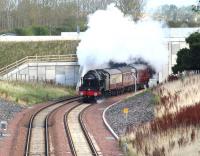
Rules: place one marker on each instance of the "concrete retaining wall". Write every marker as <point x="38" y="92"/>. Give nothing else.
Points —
<point x="65" y="73"/>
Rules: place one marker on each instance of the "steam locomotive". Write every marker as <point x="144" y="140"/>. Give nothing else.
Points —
<point x="113" y="81"/>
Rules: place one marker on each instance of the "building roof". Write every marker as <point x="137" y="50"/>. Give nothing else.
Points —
<point x="180" y="32"/>
<point x="169" y="33"/>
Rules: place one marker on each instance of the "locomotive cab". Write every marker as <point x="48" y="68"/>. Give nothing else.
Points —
<point x="91" y="85"/>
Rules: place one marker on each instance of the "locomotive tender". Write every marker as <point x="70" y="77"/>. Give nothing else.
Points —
<point x="113" y="81"/>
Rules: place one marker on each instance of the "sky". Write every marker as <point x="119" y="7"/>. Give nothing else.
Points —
<point x="156" y="3"/>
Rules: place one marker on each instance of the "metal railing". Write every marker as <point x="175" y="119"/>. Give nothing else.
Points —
<point x="38" y="59"/>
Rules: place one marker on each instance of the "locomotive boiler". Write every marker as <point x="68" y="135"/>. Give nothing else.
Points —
<point x="113" y="81"/>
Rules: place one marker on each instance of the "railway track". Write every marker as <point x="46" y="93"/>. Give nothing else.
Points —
<point x="79" y="138"/>
<point x="37" y="142"/>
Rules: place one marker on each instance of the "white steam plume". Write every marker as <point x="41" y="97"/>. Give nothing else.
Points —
<point x="113" y="36"/>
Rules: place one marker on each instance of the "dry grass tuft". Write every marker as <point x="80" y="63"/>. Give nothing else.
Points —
<point x="175" y="129"/>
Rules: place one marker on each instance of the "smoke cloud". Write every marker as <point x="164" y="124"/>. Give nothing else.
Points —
<point x="113" y="36"/>
<point x="132" y="61"/>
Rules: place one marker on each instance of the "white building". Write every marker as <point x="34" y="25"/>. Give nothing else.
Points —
<point x="175" y="41"/>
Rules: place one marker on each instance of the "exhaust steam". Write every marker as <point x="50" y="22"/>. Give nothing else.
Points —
<point x="113" y="36"/>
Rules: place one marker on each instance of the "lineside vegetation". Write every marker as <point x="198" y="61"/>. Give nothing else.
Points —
<point x="32" y="93"/>
<point x="175" y="129"/>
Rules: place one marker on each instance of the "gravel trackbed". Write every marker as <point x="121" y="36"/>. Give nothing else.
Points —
<point x="140" y="110"/>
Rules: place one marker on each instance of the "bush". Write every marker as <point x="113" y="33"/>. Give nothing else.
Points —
<point x="40" y="30"/>
<point x="32" y="31"/>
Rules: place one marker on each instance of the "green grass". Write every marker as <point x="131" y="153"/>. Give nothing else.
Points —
<point x="32" y="93"/>
<point x="13" y="51"/>
<point x="126" y="147"/>
<point x="155" y="99"/>
<point x="131" y="98"/>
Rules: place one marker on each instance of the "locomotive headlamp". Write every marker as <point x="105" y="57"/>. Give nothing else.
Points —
<point x="81" y="93"/>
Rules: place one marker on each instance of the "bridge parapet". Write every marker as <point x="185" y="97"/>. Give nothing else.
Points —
<point x="61" y="69"/>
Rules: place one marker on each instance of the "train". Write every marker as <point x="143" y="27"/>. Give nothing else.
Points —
<point x="114" y="81"/>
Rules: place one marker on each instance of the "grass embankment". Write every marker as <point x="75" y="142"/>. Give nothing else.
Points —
<point x="176" y="127"/>
<point x="32" y="93"/>
<point x="13" y="51"/>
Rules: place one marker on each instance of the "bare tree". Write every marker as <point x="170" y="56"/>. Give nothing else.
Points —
<point x="177" y="16"/>
<point x="132" y="7"/>
<point x="56" y="13"/>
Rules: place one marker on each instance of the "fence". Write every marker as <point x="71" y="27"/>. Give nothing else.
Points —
<point x="38" y="59"/>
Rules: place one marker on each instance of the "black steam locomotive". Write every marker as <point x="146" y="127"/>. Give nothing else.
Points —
<point x="113" y="81"/>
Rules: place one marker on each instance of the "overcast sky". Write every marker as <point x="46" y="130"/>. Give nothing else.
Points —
<point x="156" y="3"/>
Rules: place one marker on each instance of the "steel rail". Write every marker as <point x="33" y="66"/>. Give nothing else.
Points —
<point x="85" y="132"/>
<point x="47" y="148"/>
<point x="29" y="133"/>
<point x="92" y="147"/>
<point x="68" y="134"/>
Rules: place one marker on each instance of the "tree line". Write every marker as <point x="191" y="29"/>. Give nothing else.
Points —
<point x="189" y="58"/>
<point x="178" y="16"/>
<point x="54" y="16"/>
<point x="50" y="17"/>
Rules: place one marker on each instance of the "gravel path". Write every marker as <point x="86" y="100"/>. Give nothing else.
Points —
<point x="141" y="110"/>
<point x="8" y="110"/>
